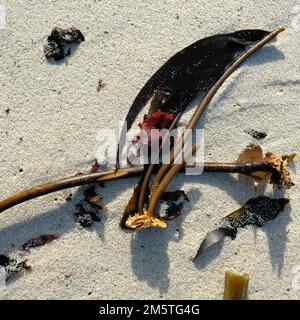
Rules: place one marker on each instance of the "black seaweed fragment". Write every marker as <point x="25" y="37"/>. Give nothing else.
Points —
<point x="65" y="36"/>
<point x="175" y="204"/>
<point x="55" y="51"/>
<point x="256" y="211"/>
<point x="4" y="260"/>
<point x="85" y="218"/>
<point x="57" y="41"/>
<point x="12" y="266"/>
<point x="258" y="135"/>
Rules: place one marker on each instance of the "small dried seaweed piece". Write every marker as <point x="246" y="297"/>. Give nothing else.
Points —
<point x="38" y="241"/>
<point x="92" y="198"/>
<point x="12" y="266"/>
<point x="175" y="204"/>
<point x="258" y="135"/>
<point x="101" y="85"/>
<point x="236" y="286"/>
<point x="85" y="218"/>
<point x="55" y="49"/>
<point x="65" y="36"/>
<point x="15" y="267"/>
<point x="256" y="211"/>
<point x="4" y="260"/>
<point x="95" y="166"/>
<point x="144" y="221"/>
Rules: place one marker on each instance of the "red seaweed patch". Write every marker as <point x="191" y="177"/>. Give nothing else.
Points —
<point x="39" y="241"/>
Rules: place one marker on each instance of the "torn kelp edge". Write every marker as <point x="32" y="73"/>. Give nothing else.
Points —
<point x="256" y="211"/>
<point x="39" y="241"/>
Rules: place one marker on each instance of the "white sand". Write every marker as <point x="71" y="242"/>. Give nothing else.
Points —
<point x="56" y="110"/>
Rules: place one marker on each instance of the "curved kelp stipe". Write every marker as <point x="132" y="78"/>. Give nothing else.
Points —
<point x="191" y="71"/>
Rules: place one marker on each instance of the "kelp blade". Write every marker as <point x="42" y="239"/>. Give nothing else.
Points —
<point x="191" y="71"/>
<point x="256" y="211"/>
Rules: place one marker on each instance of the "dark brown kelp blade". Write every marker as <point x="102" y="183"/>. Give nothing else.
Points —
<point x="191" y="71"/>
<point x="256" y="211"/>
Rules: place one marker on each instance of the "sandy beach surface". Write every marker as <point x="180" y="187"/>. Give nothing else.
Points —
<point x="50" y="114"/>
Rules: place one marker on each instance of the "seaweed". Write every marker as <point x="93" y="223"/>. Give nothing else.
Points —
<point x="12" y="266"/>
<point x="92" y="198"/>
<point x="95" y="166"/>
<point x="4" y="260"/>
<point x="38" y="241"/>
<point x="65" y="36"/>
<point x="236" y="286"/>
<point x="256" y="211"/>
<point x="191" y="71"/>
<point x="250" y="41"/>
<point x="86" y="212"/>
<point x="55" y="51"/>
<point x="175" y="204"/>
<point x="59" y="38"/>
<point x="258" y="135"/>
<point x="85" y="218"/>
<point x="158" y="120"/>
